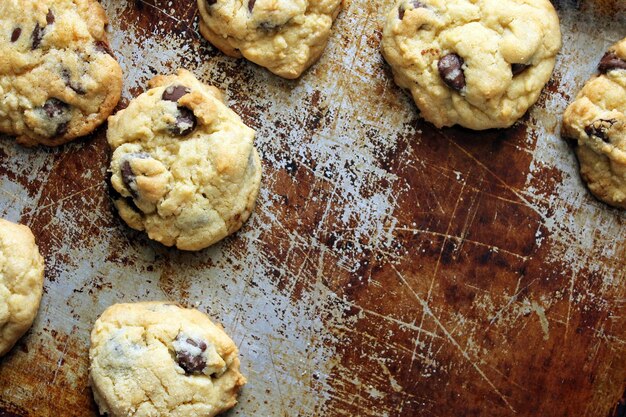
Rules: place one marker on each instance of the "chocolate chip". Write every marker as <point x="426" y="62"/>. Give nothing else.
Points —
<point x="128" y="176"/>
<point x="62" y="128"/>
<point x="54" y="108"/>
<point x="402" y="9"/>
<point x="16" y="34"/>
<point x="211" y="2"/>
<point x="67" y="77"/>
<point x="37" y="36"/>
<point x="50" y="17"/>
<point x="451" y="71"/>
<point x="518" y="68"/>
<point x="611" y="61"/>
<point x="600" y="129"/>
<point x="185" y="123"/>
<point x="175" y="92"/>
<point x="104" y="48"/>
<point x="251" y="5"/>
<point x="189" y="362"/>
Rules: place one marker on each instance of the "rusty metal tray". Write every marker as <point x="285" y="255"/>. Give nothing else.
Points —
<point x="390" y="269"/>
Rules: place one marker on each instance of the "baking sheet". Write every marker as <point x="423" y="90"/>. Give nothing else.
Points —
<point x="390" y="268"/>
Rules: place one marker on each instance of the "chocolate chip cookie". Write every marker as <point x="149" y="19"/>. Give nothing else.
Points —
<point x="597" y="121"/>
<point x="184" y="163"/>
<point x="21" y="282"/>
<point x="480" y="64"/>
<point x="58" y="77"/>
<point x="285" y="36"/>
<point x="156" y="359"/>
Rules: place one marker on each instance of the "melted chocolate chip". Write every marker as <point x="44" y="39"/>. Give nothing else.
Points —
<point x="600" y="129"/>
<point x="16" y="34"/>
<point x="611" y="61"/>
<point x="37" y="36"/>
<point x="62" y="128"/>
<point x="128" y="176"/>
<point x="518" y="68"/>
<point x="104" y="48"/>
<point x="67" y="77"/>
<point x="55" y="108"/>
<point x="185" y="123"/>
<point x="50" y="17"/>
<point x="402" y="9"/>
<point x="251" y="5"/>
<point x="175" y="92"/>
<point x="189" y="362"/>
<point x="211" y="2"/>
<point x="451" y="71"/>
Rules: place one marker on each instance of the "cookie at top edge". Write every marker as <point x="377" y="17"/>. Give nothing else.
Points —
<point x="284" y="36"/>
<point x="479" y="64"/>
<point x="59" y="79"/>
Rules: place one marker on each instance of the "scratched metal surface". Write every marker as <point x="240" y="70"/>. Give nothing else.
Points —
<point x="390" y="269"/>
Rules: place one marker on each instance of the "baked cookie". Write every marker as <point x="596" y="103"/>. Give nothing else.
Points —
<point x="285" y="36"/>
<point x="161" y="360"/>
<point x="477" y="63"/>
<point x="21" y="282"/>
<point x="184" y="163"/>
<point x="597" y="121"/>
<point x="58" y="77"/>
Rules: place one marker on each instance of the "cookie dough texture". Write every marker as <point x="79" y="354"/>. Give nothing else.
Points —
<point x="156" y="359"/>
<point x="597" y="121"/>
<point x="477" y="63"/>
<point x="21" y="282"/>
<point x="58" y="78"/>
<point x="285" y="36"/>
<point x="184" y="163"/>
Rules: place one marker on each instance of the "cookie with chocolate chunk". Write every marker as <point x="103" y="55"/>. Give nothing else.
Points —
<point x="156" y="359"/>
<point x="285" y="36"/>
<point x="480" y="64"/>
<point x="21" y="282"/>
<point x="597" y="121"/>
<point x="58" y="77"/>
<point x="183" y="163"/>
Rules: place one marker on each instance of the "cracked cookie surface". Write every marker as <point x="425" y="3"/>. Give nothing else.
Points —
<point x="184" y="164"/>
<point x="480" y="64"/>
<point x="154" y="359"/>
<point x="58" y="78"/>
<point x="285" y="36"/>
<point x="21" y="282"/>
<point x="597" y="121"/>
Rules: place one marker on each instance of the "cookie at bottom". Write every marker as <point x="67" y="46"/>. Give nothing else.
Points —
<point x="596" y="120"/>
<point x="21" y="282"/>
<point x="157" y="359"/>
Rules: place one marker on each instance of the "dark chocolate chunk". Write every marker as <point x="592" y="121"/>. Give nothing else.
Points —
<point x="67" y="77"/>
<point x="128" y="176"/>
<point x="402" y="9"/>
<point x="62" y="128"/>
<point x="518" y="68"/>
<point x="185" y="123"/>
<point x="37" y="36"/>
<point x="55" y="108"/>
<point x="611" y="61"/>
<point x="189" y="362"/>
<point x="600" y="129"/>
<point x="175" y="92"/>
<point x="251" y="5"/>
<point x="50" y="17"/>
<point x="16" y="34"/>
<point x="451" y="71"/>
